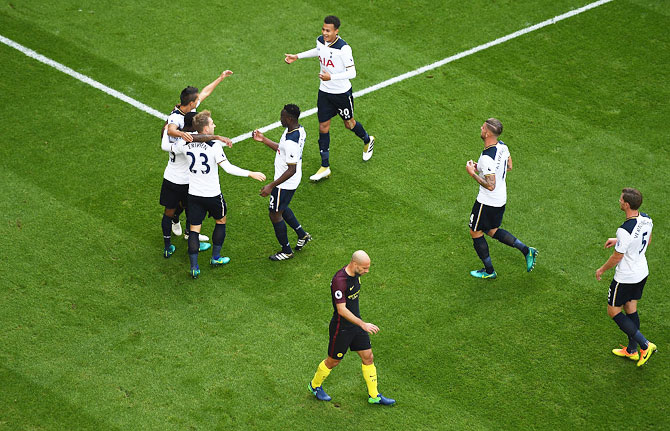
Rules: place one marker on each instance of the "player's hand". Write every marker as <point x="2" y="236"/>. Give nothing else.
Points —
<point x="324" y="76"/>
<point x="186" y="136"/>
<point x="599" y="273"/>
<point x="257" y="176"/>
<point x="290" y="58"/>
<point x="257" y="135"/>
<point x="227" y="141"/>
<point x="610" y="242"/>
<point x="470" y="167"/>
<point x="265" y="191"/>
<point x="370" y="328"/>
<point x="226" y="73"/>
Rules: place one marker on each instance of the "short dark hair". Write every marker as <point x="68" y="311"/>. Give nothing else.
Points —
<point x="201" y="120"/>
<point x="633" y="197"/>
<point x="495" y="126"/>
<point x="332" y="19"/>
<point x="188" y="95"/>
<point x="188" y="122"/>
<point x="292" y="110"/>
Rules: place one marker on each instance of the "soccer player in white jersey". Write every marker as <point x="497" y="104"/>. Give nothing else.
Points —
<point x="189" y="99"/>
<point x="487" y="212"/>
<point x="204" y="190"/>
<point x="629" y="257"/>
<point x="335" y="93"/>
<point x="288" y="173"/>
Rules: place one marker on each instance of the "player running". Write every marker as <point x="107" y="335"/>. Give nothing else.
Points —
<point x="204" y="190"/>
<point x="487" y="212"/>
<point x="288" y="172"/>
<point x="335" y="93"/>
<point x="629" y="257"/>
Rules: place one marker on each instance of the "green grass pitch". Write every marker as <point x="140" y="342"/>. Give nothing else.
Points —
<point x="99" y="332"/>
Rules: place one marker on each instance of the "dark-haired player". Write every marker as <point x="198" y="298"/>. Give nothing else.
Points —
<point x="487" y="212"/>
<point x="335" y="93"/>
<point x="189" y="99"/>
<point x="288" y="172"/>
<point x="349" y="331"/>
<point x="629" y="257"/>
<point x="204" y="189"/>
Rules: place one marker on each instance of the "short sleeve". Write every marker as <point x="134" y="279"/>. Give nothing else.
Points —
<point x="292" y="153"/>
<point x="176" y="119"/>
<point x="486" y="165"/>
<point x="622" y="240"/>
<point x="338" y="289"/>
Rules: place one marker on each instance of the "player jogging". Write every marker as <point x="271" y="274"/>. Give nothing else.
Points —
<point x="349" y="331"/>
<point x="487" y="212"/>
<point x="204" y="190"/>
<point x="335" y="93"/>
<point x="189" y="99"/>
<point x="288" y="172"/>
<point x="629" y="257"/>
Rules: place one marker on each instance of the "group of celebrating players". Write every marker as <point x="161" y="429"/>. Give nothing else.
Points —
<point x="191" y="183"/>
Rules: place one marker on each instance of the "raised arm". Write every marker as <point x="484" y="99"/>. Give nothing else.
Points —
<point x="208" y="90"/>
<point x="258" y="136"/>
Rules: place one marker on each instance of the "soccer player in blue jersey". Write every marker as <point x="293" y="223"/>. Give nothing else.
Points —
<point x="487" y="212"/>
<point x="348" y="331"/>
<point x="335" y="93"/>
<point x="288" y="173"/>
<point x="629" y="257"/>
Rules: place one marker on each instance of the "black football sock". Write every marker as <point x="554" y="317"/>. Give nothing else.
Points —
<point x="282" y="236"/>
<point x="361" y="133"/>
<point x="482" y="249"/>
<point x="508" y="239"/>
<point x="324" y="148"/>
<point x="632" y="344"/>
<point x="166" y="225"/>
<point x="627" y="326"/>
<point x="290" y="219"/>
<point x="218" y="236"/>
<point x="193" y="248"/>
<point x="177" y="213"/>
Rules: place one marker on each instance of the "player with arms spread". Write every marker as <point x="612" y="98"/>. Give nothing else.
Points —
<point x="629" y="257"/>
<point x="288" y="173"/>
<point x="204" y="190"/>
<point x="335" y="93"/>
<point x="487" y="212"/>
<point x="349" y="331"/>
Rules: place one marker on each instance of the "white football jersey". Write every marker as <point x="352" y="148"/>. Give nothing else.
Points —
<point x="493" y="160"/>
<point x="177" y="117"/>
<point x="335" y="58"/>
<point x="176" y="170"/>
<point x="632" y="238"/>
<point x="290" y="149"/>
<point x="203" y="170"/>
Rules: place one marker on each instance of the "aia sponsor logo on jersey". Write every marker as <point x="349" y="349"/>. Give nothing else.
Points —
<point x="326" y="62"/>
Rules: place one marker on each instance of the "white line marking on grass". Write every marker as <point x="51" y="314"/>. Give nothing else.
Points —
<point x="83" y="78"/>
<point x="155" y="113"/>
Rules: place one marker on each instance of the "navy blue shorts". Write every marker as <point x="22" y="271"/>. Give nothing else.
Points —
<point x="329" y="105"/>
<point x="620" y="293"/>
<point x="485" y="218"/>
<point x="173" y="194"/>
<point x="279" y="199"/>
<point x="199" y="207"/>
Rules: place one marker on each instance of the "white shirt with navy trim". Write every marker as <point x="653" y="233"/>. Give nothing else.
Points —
<point x="203" y="170"/>
<point x="335" y="58"/>
<point x="493" y="161"/>
<point x="290" y="149"/>
<point x="632" y="238"/>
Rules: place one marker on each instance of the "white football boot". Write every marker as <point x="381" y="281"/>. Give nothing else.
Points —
<point x="368" y="148"/>
<point x="320" y="174"/>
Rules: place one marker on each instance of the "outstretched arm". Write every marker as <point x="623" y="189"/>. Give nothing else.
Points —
<point x="290" y="58"/>
<point x="239" y="172"/>
<point x="258" y="136"/>
<point x="208" y="90"/>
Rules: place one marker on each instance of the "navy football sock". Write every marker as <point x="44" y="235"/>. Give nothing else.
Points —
<point x="632" y="344"/>
<point x="361" y="133"/>
<point x="508" y="239"/>
<point x="482" y="249"/>
<point x="193" y="248"/>
<point x="324" y="148"/>
<point x="290" y="219"/>
<point x="627" y="326"/>
<point x="218" y="236"/>
<point x="177" y="213"/>
<point x="166" y="225"/>
<point x="282" y="236"/>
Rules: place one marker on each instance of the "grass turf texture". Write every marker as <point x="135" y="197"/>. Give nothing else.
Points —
<point x="100" y="332"/>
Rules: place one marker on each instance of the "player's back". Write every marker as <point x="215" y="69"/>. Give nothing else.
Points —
<point x="632" y="240"/>
<point x="203" y="158"/>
